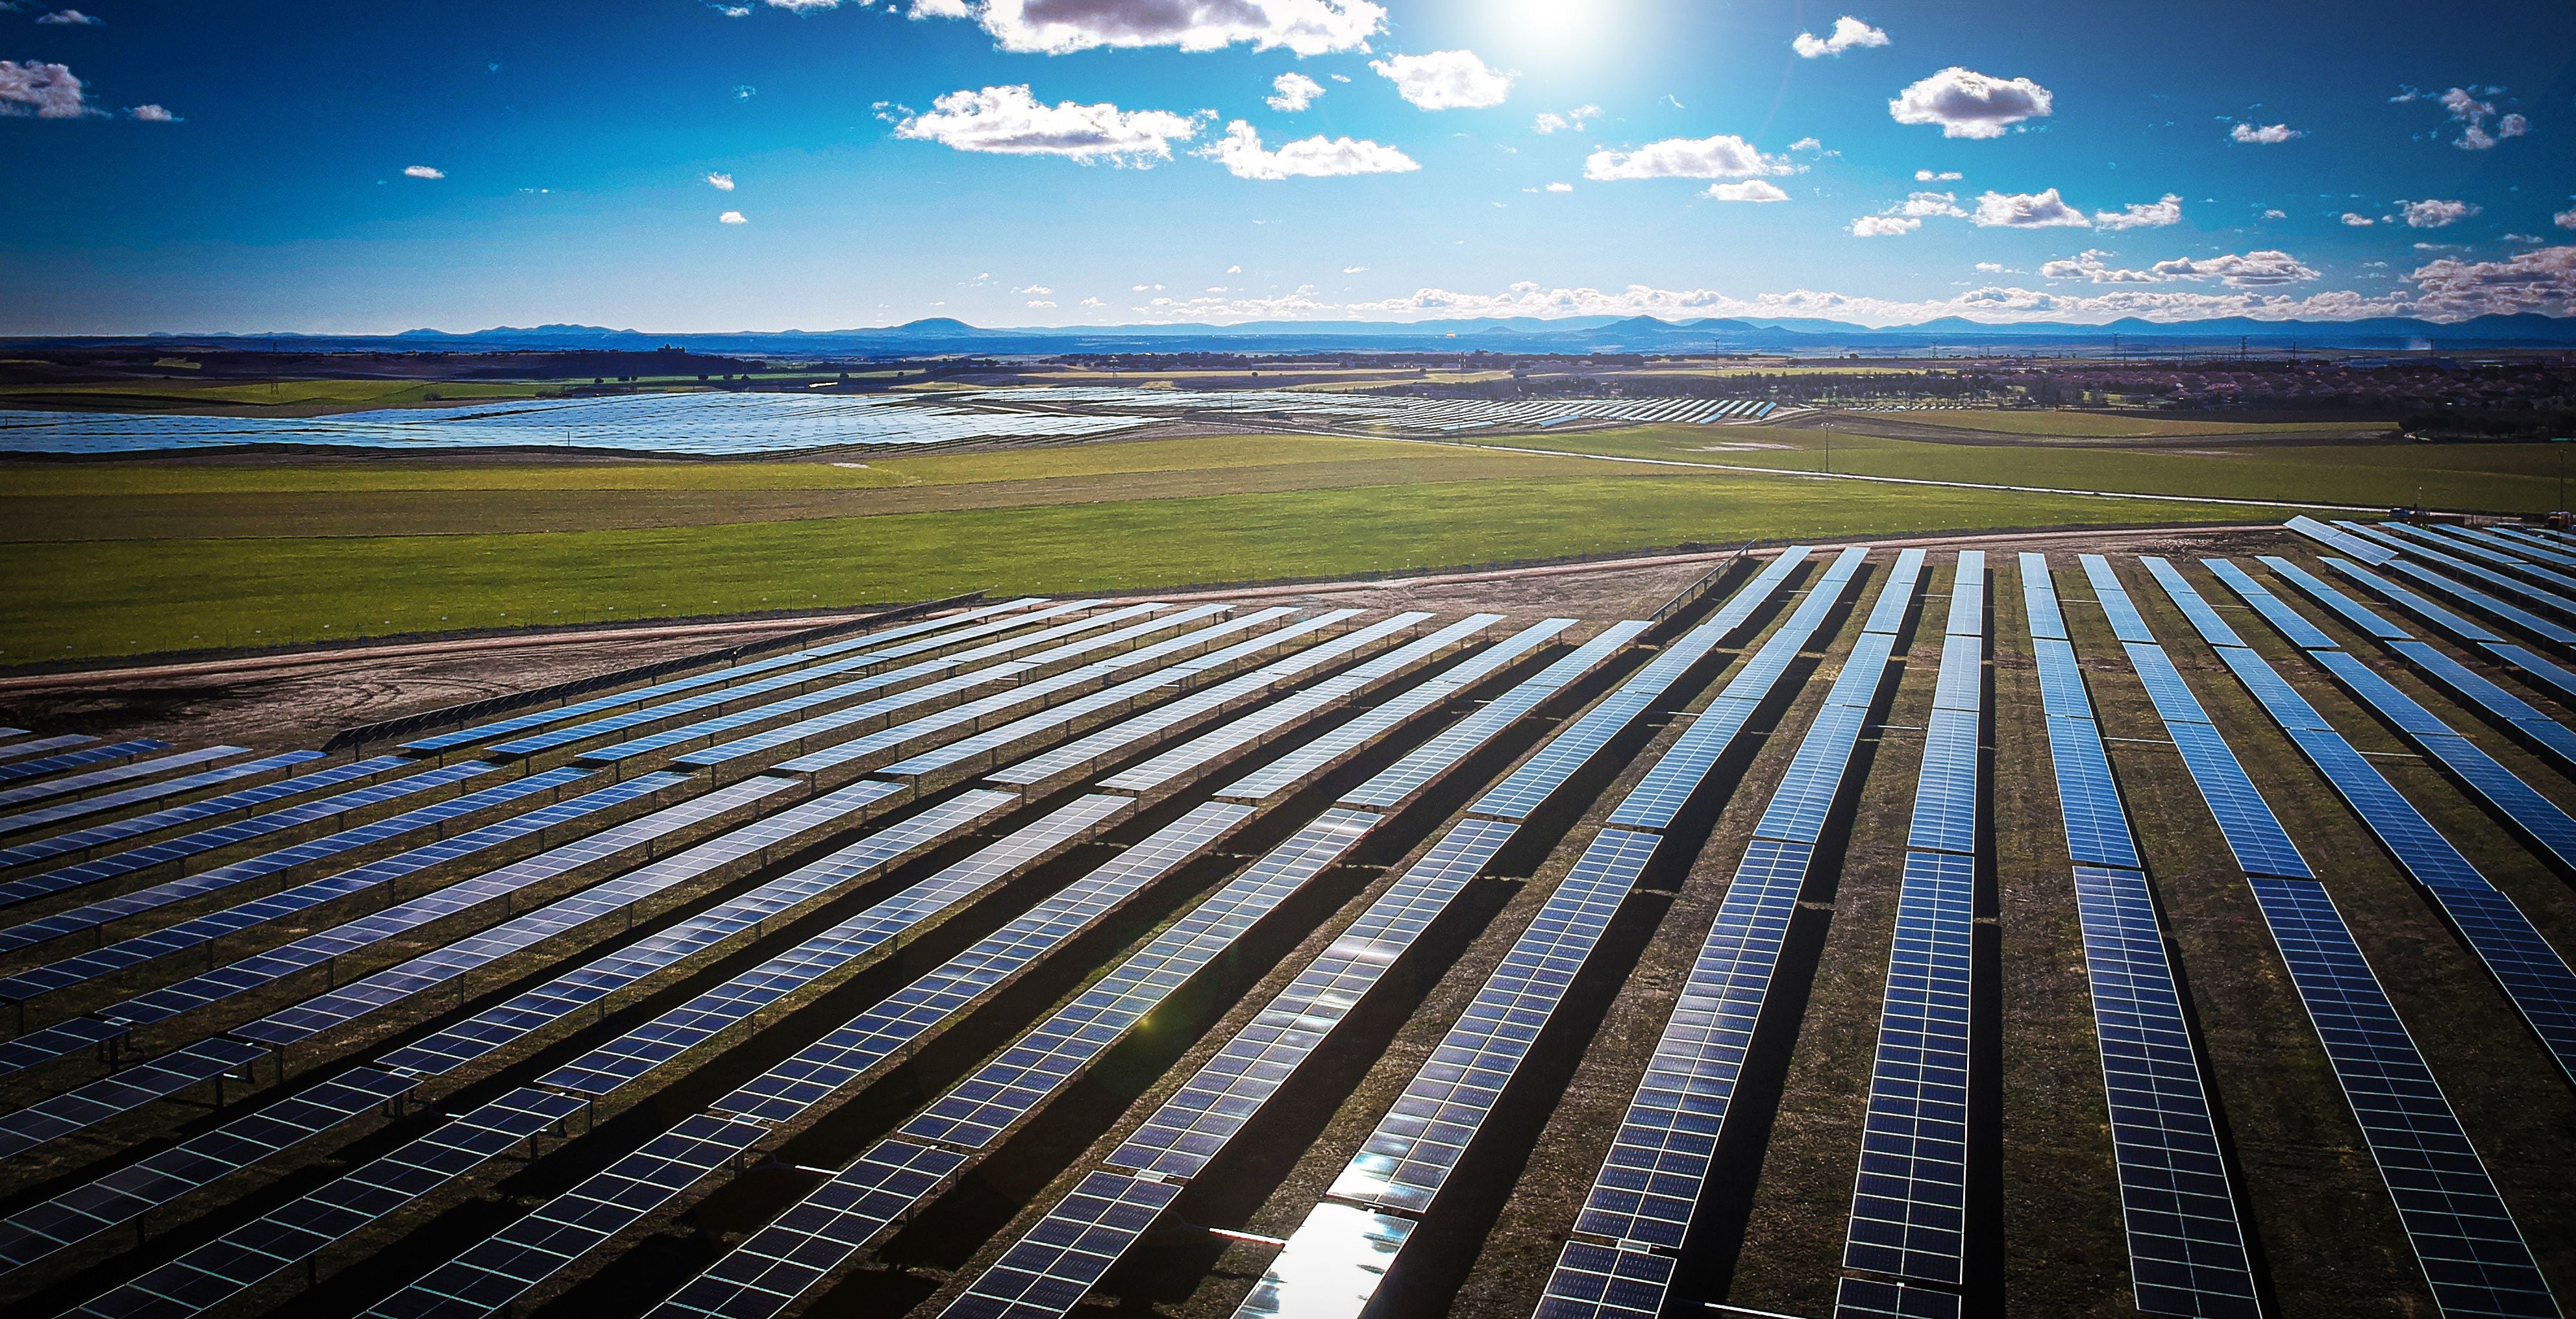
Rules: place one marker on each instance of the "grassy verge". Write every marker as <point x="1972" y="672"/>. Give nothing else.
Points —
<point x="121" y="598"/>
<point x="2518" y="478"/>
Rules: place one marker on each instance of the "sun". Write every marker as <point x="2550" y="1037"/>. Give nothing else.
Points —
<point x="1552" y="22"/>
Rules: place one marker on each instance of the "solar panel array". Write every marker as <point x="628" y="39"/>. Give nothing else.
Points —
<point x="1396" y="411"/>
<point x="2472" y="1253"/>
<point x="1648" y="1187"/>
<point x="2533" y="975"/>
<point x="1055" y="1264"/>
<point x="839" y="1219"/>
<point x="87" y="755"/>
<point x="703" y="424"/>
<point x="2450" y="588"/>
<point x="2186" y="1248"/>
<point x="1910" y="1195"/>
<point x="1161" y="701"/>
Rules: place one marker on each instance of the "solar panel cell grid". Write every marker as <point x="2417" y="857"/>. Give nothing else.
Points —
<point x="997" y="1096"/>
<point x="1650" y="1182"/>
<point x="1909" y="1205"/>
<point x="244" y="801"/>
<point x="1418" y="1144"/>
<point x="149" y="792"/>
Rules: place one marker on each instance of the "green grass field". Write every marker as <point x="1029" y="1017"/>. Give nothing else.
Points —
<point x="152" y="594"/>
<point x="2503" y="478"/>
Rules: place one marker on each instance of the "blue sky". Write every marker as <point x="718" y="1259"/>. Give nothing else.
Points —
<point x="302" y="167"/>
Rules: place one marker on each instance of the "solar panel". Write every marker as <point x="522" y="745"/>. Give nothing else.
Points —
<point x="1945" y="794"/>
<point x="2039" y="598"/>
<point x="1285" y="772"/>
<point x="443" y="742"/>
<point x="1262" y="724"/>
<point x="1216" y="1103"/>
<point x="259" y="826"/>
<point x="839" y="1218"/>
<point x="2472" y="1254"/>
<point x="2553" y="737"/>
<point x="1659" y="797"/>
<point x="2485" y="603"/>
<point x="2275" y="611"/>
<point x="490" y="1274"/>
<point x="2532" y="814"/>
<point x="2340" y="540"/>
<point x="1418" y="1144"/>
<point x="219" y="1270"/>
<point x="2186" y="1250"/>
<point x="1538" y="778"/>
<point x="1868" y="1298"/>
<point x="265" y="967"/>
<point x="977" y="1110"/>
<point x="130" y="1192"/>
<point x="112" y="801"/>
<point x="56" y="743"/>
<point x="1154" y="725"/>
<point x="2323" y="593"/>
<point x="2450" y="623"/>
<point x="1962" y="684"/>
<point x="1909" y="1203"/>
<point x="419" y="975"/>
<point x="28" y="769"/>
<point x="244" y="801"/>
<point x="100" y="778"/>
<point x="840" y="1058"/>
<point x="2126" y="624"/>
<point x="1897" y="595"/>
<point x="61" y="1115"/>
<point x="572" y="992"/>
<point x="2253" y="832"/>
<point x="2521" y="543"/>
<point x="2446" y="541"/>
<point x="890" y="1178"/>
<point x="619" y="1062"/>
<point x="1394" y="784"/>
<point x="262" y="1134"/>
<point x="2531" y="973"/>
<point x="1968" y="596"/>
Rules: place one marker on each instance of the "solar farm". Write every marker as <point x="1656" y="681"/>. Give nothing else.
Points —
<point x="1960" y="927"/>
<point x="743" y="424"/>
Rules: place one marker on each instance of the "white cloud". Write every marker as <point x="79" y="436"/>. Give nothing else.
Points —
<point x="2264" y="269"/>
<point x="2433" y="213"/>
<point x="71" y="18"/>
<point x="2358" y="221"/>
<point x="47" y="91"/>
<point x="2471" y="114"/>
<point x="1990" y="267"/>
<point x="1294" y="92"/>
<point x="1234" y="270"/>
<point x="2091" y="266"/>
<point x="1921" y="204"/>
<point x="1884" y="226"/>
<point x="1568" y="187"/>
<point x="1725" y="156"/>
<point x="1945" y="176"/>
<point x="745" y="91"/>
<point x="2542" y="281"/>
<point x="1849" y="32"/>
<point x="2276" y="214"/>
<point x="731" y="217"/>
<point x="2142" y="215"/>
<point x="1991" y="304"/>
<point x="1054" y="27"/>
<point x="1040" y="302"/>
<point x="1810" y="144"/>
<point x="1445" y="80"/>
<point x="1315" y="157"/>
<point x="1353" y="270"/>
<point x="2565" y="219"/>
<point x="1093" y="302"/>
<point x="720" y="182"/>
<point x="1008" y="121"/>
<point x="1578" y="119"/>
<point x="1750" y="190"/>
<point x="1039" y="289"/>
<point x="1970" y="104"/>
<point x="153" y="114"/>
<point x="423" y="172"/>
<point x="2027" y="210"/>
<point x="2267" y="135"/>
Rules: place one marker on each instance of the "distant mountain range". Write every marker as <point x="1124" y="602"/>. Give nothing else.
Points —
<point x="1521" y="334"/>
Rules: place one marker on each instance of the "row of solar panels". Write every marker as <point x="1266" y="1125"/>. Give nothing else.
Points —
<point x="1426" y="1154"/>
<point x="1396" y="410"/>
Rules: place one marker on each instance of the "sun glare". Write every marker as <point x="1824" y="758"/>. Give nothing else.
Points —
<point x="1552" y="20"/>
